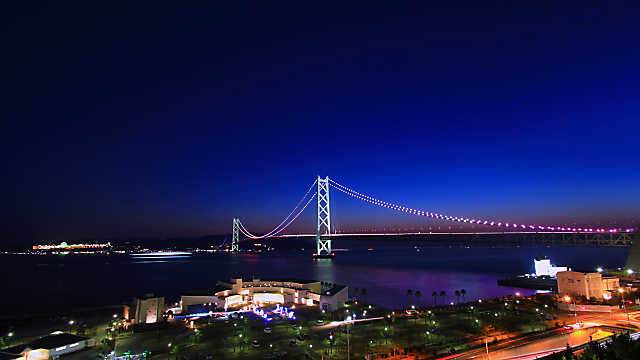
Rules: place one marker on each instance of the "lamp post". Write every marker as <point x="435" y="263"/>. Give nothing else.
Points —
<point x="348" y="346"/>
<point x="331" y="343"/>
<point x="486" y="346"/>
<point x="621" y="291"/>
<point x="569" y="300"/>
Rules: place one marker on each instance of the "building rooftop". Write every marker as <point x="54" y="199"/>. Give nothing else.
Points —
<point x="208" y="291"/>
<point x="334" y="290"/>
<point x="46" y="342"/>
<point x="291" y="280"/>
<point x="55" y="340"/>
<point x="297" y="281"/>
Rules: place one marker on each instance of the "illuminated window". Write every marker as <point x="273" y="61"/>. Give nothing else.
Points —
<point x="268" y="298"/>
<point x="233" y="300"/>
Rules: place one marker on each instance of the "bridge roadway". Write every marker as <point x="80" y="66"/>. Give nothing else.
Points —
<point x="501" y="238"/>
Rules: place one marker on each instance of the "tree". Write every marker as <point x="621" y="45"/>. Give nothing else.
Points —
<point x="363" y="292"/>
<point x="418" y="294"/>
<point x="435" y="297"/>
<point x="409" y="294"/>
<point x="457" y="294"/>
<point x="443" y="294"/>
<point x="463" y="292"/>
<point x="355" y="293"/>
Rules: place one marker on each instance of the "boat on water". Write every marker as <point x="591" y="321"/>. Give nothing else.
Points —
<point x="162" y="254"/>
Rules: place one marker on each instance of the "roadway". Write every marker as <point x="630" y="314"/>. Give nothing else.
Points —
<point x="533" y="347"/>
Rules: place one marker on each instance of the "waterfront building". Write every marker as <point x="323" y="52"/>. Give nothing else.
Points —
<point x="48" y="347"/>
<point x="544" y="267"/>
<point x="239" y="292"/>
<point x="589" y="285"/>
<point x="149" y="309"/>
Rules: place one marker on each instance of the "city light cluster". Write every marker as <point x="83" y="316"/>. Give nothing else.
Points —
<point x="64" y="245"/>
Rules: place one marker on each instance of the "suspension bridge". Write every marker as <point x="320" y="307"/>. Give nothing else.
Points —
<point x="538" y="233"/>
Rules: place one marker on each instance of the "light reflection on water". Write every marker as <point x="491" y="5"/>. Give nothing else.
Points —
<point x="386" y="273"/>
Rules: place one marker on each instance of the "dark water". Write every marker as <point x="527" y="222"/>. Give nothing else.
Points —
<point x="33" y="283"/>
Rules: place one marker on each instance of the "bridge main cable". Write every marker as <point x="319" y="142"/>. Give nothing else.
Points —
<point x="278" y="229"/>
<point x="434" y="215"/>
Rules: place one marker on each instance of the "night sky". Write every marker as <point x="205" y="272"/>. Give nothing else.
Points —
<point x="163" y="120"/>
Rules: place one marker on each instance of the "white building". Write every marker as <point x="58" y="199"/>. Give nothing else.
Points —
<point x="544" y="267"/>
<point x="239" y="292"/>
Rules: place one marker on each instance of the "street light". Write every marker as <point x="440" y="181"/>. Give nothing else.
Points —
<point x="568" y="299"/>
<point x="115" y="316"/>
<point x="10" y="334"/>
<point x="621" y="291"/>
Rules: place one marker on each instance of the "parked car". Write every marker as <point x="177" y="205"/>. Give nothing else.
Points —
<point x="267" y="330"/>
<point x="255" y="343"/>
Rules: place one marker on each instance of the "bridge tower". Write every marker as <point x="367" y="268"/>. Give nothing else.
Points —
<point x="235" y="238"/>
<point x="323" y="231"/>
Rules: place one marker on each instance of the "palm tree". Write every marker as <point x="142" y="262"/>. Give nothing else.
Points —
<point x="435" y="297"/>
<point x="355" y="293"/>
<point x="409" y="294"/>
<point x="418" y="294"/>
<point x="443" y="294"/>
<point x="463" y="292"/>
<point x="457" y="293"/>
<point x="363" y="292"/>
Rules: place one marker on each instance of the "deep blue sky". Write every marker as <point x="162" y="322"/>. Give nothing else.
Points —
<point x="169" y="120"/>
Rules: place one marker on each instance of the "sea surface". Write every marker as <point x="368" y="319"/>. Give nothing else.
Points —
<point x="386" y="269"/>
